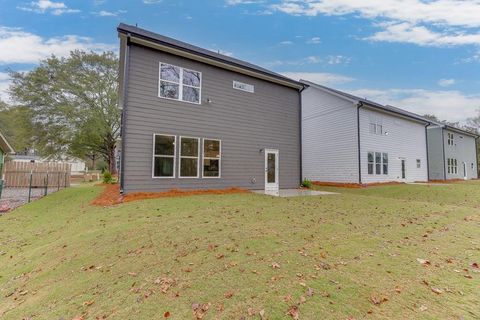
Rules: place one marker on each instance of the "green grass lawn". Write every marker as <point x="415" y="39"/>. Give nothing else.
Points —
<point x="347" y="256"/>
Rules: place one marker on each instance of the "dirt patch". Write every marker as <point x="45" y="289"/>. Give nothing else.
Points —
<point x="179" y="193"/>
<point x="447" y="181"/>
<point x="111" y="194"/>
<point x="354" y="185"/>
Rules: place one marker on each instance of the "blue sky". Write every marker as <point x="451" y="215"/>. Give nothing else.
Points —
<point x="420" y="55"/>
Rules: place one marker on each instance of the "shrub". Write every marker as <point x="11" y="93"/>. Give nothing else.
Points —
<point x="307" y="183"/>
<point x="107" y="177"/>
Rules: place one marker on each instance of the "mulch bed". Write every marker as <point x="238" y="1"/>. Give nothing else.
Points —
<point x="111" y="194"/>
<point x="354" y="185"/>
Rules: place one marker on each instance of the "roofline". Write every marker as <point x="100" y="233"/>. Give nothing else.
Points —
<point x="446" y="126"/>
<point x="201" y="55"/>
<point x="11" y="151"/>
<point x="365" y="102"/>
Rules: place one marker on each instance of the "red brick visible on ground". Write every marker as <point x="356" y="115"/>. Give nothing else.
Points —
<point x="111" y="194"/>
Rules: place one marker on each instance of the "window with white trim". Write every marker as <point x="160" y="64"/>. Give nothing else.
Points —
<point x="189" y="157"/>
<point x="452" y="166"/>
<point x="212" y="158"/>
<point x="178" y="83"/>
<point x="377" y="163"/>
<point x="371" y="162"/>
<point x="164" y="150"/>
<point x="450" y="139"/>
<point x="376" y="127"/>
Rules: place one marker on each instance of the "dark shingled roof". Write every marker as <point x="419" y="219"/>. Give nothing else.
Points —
<point x="370" y="103"/>
<point x="166" y="41"/>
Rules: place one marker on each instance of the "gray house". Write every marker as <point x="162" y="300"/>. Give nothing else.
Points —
<point x="452" y="153"/>
<point x="347" y="139"/>
<point x="192" y="118"/>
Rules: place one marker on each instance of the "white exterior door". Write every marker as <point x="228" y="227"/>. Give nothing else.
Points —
<point x="271" y="170"/>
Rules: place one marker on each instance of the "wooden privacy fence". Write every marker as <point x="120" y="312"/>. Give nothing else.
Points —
<point x="41" y="174"/>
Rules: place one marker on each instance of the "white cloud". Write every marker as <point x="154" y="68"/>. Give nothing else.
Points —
<point x="47" y="6"/>
<point x="446" y="82"/>
<point x="239" y="2"/>
<point x="338" y="59"/>
<point x="318" y="77"/>
<point x="19" y="46"/>
<point x="408" y="33"/>
<point x="152" y="1"/>
<point x="450" y="105"/>
<point x="430" y="23"/>
<point x="104" y="13"/>
<point x="314" y="40"/>
<point x="286" y="43"/>
<point x="299" y="62"/>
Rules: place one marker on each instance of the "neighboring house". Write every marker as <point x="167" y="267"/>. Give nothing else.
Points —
<point x="5" y="148"/>
<point x="77" y="165"/>
<point x="25" y="158"/>
<point x="347" y="139"/>
<point x="452" y="153"/>
<point x="193" y="118"/>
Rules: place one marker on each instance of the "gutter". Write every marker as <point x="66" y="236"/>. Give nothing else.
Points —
<point x="476" y="157"/>
<point x="443" y="152"/>
<point x="301" y="134"/>
<point x="359" y="105"/>
<point x="426" y="141"/>
<point x="124" y="113"/>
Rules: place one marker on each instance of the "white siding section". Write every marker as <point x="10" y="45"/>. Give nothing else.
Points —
<point x="405" y="139"/>
<point x="329" y="138"/>
<point x="464" y="151"/>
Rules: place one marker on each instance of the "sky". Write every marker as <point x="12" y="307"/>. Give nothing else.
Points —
<point x="423" y="56"/>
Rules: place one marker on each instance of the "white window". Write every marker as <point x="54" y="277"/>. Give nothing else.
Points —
<point x="385" y="163"/>
<point x="212" y="158"/>
<point x="450" y="139"/>
<point x="181" y="84"/>
<point x="164" y="151"/>
<point x="452" y="166"/>
<point x="376" y="127"/>
<point x="189" y="157"/>
<point x="377" y="162"/>
<point x="419" y="163"/>
<point x="371" y="162"/>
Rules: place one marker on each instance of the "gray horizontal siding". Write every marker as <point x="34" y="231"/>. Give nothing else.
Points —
<point x="245" y="122"/>
<point x="436" y="166"/>
<point x="464" y="151"/>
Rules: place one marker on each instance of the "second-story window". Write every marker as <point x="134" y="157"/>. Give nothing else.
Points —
<point x="450" y="139"/>
<point x="376" y="127"/>
<point x="178" y="83"/>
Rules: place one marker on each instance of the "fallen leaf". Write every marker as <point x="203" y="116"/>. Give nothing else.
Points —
<point x="293" y="312"/>
<point x="166" y="314"/>
<point x="275" y="265"/>
<point x="475" y="265"/>
<point x="228" y="294"/>
<point x="309" y="292"/>
<point x="199" y="310"/>
<point x="251" y="312"/>
<point x="423" y="261"/>
<point x="262" y="314"/>
<point x="423" y="308"/>
<point x="133" y="274"/>
<point x="302" y="300"/>
<point x="88" y="303"/>
<point x="377" y="299"/>
<point x="436" y="290"/>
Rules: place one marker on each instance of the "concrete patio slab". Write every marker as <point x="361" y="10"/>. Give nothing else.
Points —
<point x="285" y="193"/>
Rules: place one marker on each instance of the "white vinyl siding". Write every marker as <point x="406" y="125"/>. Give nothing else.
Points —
<point x="405" y="140"/>
<point x="463" y="150"/>
<point x="329" y="138"/>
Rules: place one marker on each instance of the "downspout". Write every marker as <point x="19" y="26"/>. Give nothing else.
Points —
<point x="301" y="134"/>
<point x="124" y="113"/>
<point x="476" y="157"/>
<point x="443" y="152"/>
<point x="426" y="141"/>
<point x="359" y="105"/>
